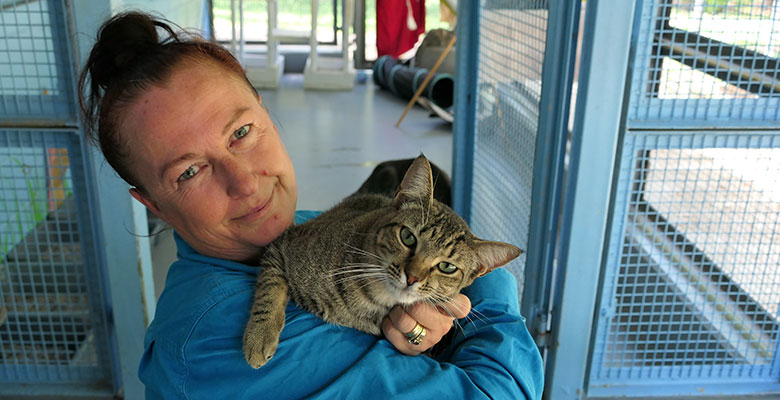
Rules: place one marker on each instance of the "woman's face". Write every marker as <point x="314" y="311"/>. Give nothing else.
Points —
<point x="211" y="162"/>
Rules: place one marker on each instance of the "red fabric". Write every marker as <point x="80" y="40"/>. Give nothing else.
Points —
<point x="393" y="36"/>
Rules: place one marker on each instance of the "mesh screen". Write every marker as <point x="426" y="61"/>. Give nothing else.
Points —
<point x="51" y="320"/>
<point x="707" y="60"/>
<point x="511" y="53"/>
<point x="35" y="75"/>
<point x="53" y="329"/>
<point x="692" y="289"/>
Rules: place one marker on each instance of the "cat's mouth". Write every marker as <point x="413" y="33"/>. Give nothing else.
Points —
<point x="400" y="290"/>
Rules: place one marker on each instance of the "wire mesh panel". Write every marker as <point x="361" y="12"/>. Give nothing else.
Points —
<point x="36" y="77"/>
<point x="53" y="329"/>
<point x="712" y="63"/>
<point x="52" y="325"/>
<point x="511" y="53"/>
<point x="692" y="291"/>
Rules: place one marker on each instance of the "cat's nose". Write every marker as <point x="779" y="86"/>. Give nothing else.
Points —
<point x="411" y="279"/>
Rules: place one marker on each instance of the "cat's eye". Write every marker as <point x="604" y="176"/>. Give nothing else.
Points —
<point x="407" y="237"/>
<point x="446" y="267"/>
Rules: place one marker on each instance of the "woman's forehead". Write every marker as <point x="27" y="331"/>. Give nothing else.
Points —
<point x="194" y="95"/>
<point x="190" y="110"/>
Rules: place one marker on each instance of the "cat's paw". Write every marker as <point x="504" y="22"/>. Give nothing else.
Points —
<point x="259" y="348"/>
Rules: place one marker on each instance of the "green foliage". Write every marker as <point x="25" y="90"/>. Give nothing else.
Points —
<point x="24" y="213"/>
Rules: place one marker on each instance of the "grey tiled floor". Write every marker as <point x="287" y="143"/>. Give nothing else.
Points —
<point x="334" y="140"/>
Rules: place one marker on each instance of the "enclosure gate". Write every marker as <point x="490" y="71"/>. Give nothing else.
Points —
<point x="515" y="64"/>
<point x="690" y="290"/>
<point x="54" y="337"/>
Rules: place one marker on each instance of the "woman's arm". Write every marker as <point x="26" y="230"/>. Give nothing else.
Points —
<point x="493" y="356"/>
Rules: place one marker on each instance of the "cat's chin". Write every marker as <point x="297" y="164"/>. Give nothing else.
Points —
<point x="405" y="295"/>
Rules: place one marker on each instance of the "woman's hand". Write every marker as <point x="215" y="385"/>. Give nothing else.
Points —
<point x="436" y="320"/>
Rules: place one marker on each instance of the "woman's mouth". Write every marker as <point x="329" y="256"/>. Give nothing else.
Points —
<point x="258" y="211"/>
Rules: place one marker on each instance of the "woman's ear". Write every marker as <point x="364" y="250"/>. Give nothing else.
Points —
<point x="146" y="201"/>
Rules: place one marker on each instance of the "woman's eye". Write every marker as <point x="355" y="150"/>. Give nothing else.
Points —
<point x="242" y="131"/>
<point x="407" y="237"/>
<point x="446" y="267"/>
<point x="189" y="173"/>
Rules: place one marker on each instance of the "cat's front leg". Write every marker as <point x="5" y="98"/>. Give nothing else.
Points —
<point x="266" y="317"/>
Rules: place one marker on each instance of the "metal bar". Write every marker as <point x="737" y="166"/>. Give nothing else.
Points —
<point x="336" y="27"/>
<point x="554" y="104"/>
<point x="600" y="102"/>
<point x="464" y="126"/>
<point x="360" y="34"/>
<point x="124" y="272"/>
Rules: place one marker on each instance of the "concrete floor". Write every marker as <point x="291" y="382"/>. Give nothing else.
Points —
<point x="334" y="140"/>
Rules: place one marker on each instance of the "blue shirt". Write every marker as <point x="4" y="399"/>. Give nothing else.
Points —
<point x="193" y="347"/>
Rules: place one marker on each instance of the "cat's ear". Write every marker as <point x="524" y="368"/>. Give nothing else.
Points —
<point x="417" y="185"/>
<point x="494" y="254"/>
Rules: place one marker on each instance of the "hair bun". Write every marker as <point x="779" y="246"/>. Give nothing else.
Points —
<point x="120" y="41"/>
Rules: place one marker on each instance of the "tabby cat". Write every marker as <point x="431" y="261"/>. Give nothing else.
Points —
<point x="354" y="262"/>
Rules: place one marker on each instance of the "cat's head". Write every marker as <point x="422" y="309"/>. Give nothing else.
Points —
<point x="429" y="250"/>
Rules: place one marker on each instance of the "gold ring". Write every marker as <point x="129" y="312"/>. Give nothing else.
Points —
<point x="417" y="334"/>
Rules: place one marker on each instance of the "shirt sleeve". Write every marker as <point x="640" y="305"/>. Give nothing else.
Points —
<point x="493" y="356"/>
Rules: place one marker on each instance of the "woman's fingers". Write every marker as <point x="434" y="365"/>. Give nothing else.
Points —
<point x="397" y="323"/>
<point x="459" y="307"/>
<point x="437" y="321"/>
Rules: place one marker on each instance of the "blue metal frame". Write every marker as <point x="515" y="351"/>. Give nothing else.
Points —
<point x="97" y="254"/>
<point x="123" y="232"/>
<point x="649" y="111"/>
<point x="600" y="103"/>
<point x="24" y="110"/>
<point x="557" y="78"/>
<point x="713" y="377"/>
<point x="50" y="120"/>
<point x="463" y="130"/>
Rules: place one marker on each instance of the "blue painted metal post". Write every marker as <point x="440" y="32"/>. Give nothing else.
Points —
<point x="122" y="233"/>
<point x="597" y="127"/>
<point x="557" y="76"/>
<point x="463" y="130"/>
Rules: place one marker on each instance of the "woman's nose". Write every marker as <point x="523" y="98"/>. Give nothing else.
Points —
<point x="240" y="181"/>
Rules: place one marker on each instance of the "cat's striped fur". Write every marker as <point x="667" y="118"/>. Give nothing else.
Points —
<point x="354" y="262"/>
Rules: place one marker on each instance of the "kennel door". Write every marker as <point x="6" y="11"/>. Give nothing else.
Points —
<point x="54" y="330"/>
<point x="691" y="286"/>
<point x="515" y="64"/>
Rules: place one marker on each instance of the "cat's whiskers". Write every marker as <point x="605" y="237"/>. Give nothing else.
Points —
<point x="363" y="281"/>
<point x="373" y="257"/>
<point x="358" y="278"/>
<point x="445" y="306"/>
<point x="362" y="264"/>
<point x="351" y="268"/>
<point x="357" y="269"/>
<point x="479" y="316"/>
<point x="355" y="250"/>
<point x="473" y="316"/>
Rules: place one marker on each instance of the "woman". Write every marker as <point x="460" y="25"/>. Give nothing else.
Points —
<point x="179" y="121"/>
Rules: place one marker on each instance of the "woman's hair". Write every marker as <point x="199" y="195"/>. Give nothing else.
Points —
<point x="128" y="58"/>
